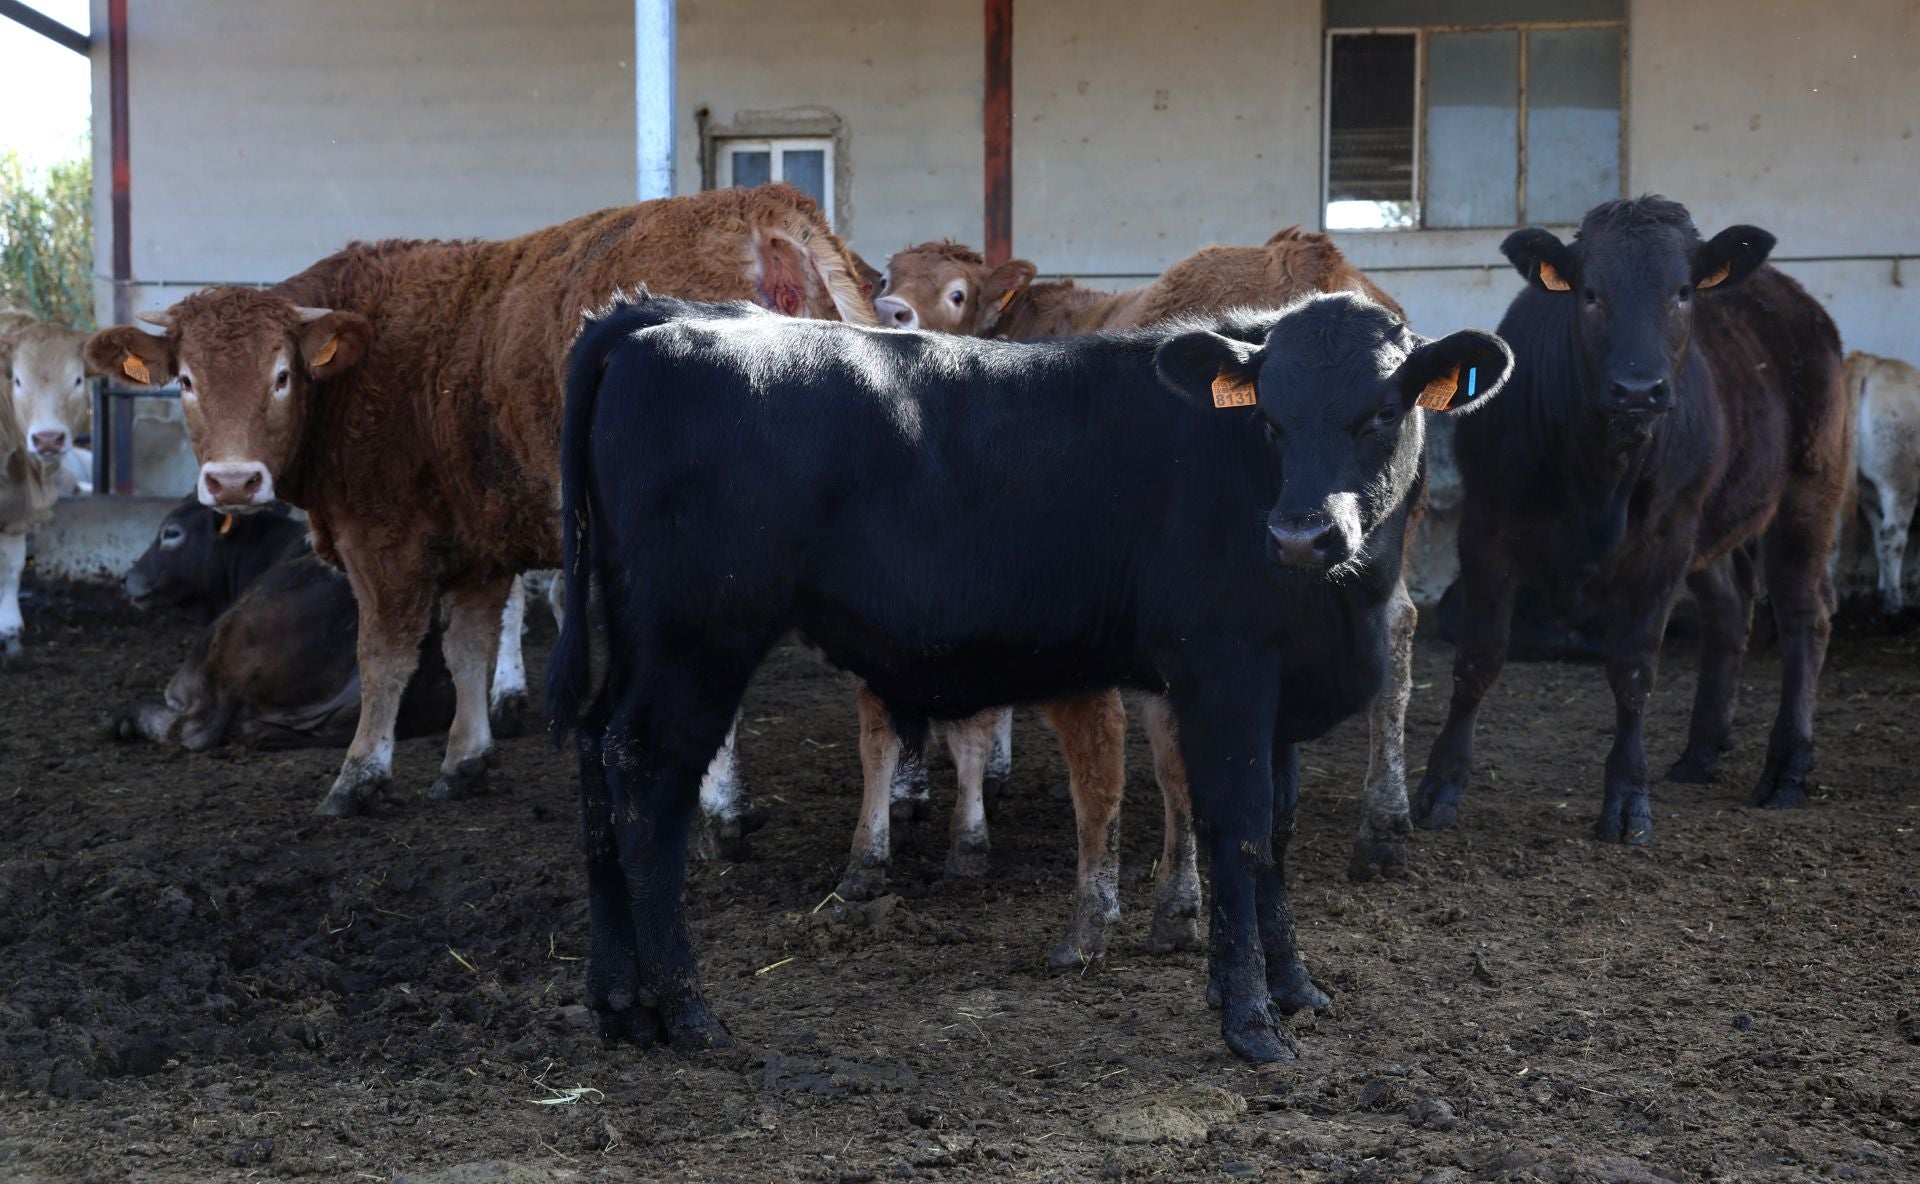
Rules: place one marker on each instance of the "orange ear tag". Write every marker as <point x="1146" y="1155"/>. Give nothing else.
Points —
<point x="1008" y="298"/>
<point x="326" y="352"/>
<point x="226" y="523"/>
<point x="1718" y="277"/>
<point x="1439" y="393"/>
<point x="1550" y="279"/>
<point x="137" y="369"/>
<point x="1231" y="390"/>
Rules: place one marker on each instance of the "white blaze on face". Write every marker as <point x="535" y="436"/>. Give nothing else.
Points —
<point x="237" y="484"/>
<point x="49" y="389"/>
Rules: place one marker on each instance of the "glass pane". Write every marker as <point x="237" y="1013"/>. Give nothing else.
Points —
<point x="1573" y="122"/>
<point x="1387" y="14"/>
<point x="1473" y="128"/>
<point x="806" y="170"/>
<point x="752" y="168"/>
<point x="1370" y="133"/>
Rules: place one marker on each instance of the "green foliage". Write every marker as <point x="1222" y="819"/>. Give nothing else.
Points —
<point x="46" y="240"/>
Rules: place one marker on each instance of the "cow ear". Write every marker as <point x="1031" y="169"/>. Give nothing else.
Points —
<point x="1001" y="288"/>
<point x="1210" y="369"/>
<point x="1731" y="256"/>
<point x="1542" y="258"/>
<point x="125" y="353"/>
<point x="1459" y="372"/>
<point x="334" y="344"/>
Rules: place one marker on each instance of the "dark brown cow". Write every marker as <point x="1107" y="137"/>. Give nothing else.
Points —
<point x="406" y="395"/>
<point x="1674" y="403"/>
<point x="274" y="669"/>
<point x="949" y="288"/>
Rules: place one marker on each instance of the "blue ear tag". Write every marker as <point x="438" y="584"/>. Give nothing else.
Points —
<point x="1473" y="380"/>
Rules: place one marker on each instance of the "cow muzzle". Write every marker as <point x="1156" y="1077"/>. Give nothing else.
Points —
<point x="895" y="313"/>
<point x="237" y="487"/>
<point x="51" y="442"/>
<point x="1310" y="541"/>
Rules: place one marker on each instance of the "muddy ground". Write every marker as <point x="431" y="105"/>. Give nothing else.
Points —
<point x="198" y="981"/>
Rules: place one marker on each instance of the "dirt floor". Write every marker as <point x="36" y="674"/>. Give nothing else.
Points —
<point x="198" y="981"/>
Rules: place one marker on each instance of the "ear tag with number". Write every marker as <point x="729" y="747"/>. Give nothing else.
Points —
<point x="1231" y="390"/>
<point x="1551" y="280"/>
<point x="326" y="352"/>
<point x="226" y="523"/>
<point x="136" y="369"/>
<point x="1439" y="392"/>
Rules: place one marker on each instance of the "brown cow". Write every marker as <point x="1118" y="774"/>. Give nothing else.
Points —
<point x="26" y="492"/>
<point x="406" y="395"/>
<point x="947" y="287"/>
<point x="47" y="383"/>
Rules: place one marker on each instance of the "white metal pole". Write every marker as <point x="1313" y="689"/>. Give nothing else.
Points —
<point x="653" y="85"/>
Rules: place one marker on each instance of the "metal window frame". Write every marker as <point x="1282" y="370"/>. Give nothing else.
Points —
<point x="1421" y="35"/>
<point x="775" y="147"/>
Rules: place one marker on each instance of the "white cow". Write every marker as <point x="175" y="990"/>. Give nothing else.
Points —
<point x="26" y="491"/>
<point x="1886" y="451"/>
<point x="47" y="380"/>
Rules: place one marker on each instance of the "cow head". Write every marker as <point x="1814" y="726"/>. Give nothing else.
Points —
<point x="1328" y="392"/>
<point x="187" y="565"/>
<point x="249" y="367"/>
<point x="1631" y="275"/>
<point x="948" y="288"/>
<point x="46" y="374"/>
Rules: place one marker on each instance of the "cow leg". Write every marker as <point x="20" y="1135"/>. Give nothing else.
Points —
<point x="1796" y="548"/>
<point x="1176" y="897"/>
<point x="909" y="790"/>
<point x="727" y="813"/>
<point x="668" y="716"/>
<point x="1288" y="983"/>
<point x="13" y="561"/>
<point x="1890" y="514"/>
<point x="1380" y="849"/>
<point x="866" y="874"/>
<point x="507" y="701"/>
<point x="1093" y="734"/>
<point x="969" y="742"/>
<point x="395" y="601"/>
<point x="1724" y="591"/>
<point x="1226" y="741"/>
<point x="473" y="631"/>
<point x="1633" y="663"/>
<point x="1487" y="584"/>
<point x="613" y="971"/>
<point x="999" y="760"/>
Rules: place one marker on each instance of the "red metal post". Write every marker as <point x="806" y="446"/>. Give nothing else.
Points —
<point x="997" y="115"/>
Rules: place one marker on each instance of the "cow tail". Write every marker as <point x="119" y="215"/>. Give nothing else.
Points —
<point x="570" y="668"/>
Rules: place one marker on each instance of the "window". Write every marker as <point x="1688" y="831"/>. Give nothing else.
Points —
<point x="1465" y="113"/>
<point x="806" y="163"/>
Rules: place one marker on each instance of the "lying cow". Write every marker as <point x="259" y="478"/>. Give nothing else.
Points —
<point x="274" y="669"/>
<point x="27" y="490"/>
<point x="1675" y="400"/>
<point x="406" y="395"/>
<point x="1214" y="514"/>
<point x="47" y="378"/>
<point x="1885" y="394"/>
<point x="947" y="287"/>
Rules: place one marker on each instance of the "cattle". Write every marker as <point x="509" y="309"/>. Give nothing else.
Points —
<point x="27" y="491"/>
<point x="1210" y="512"/>
<point x="48" y="385"/>
<point x="406" y="395"/>
<point x="948" y="287"/>
<point x="1885" y="396"/>
<point x="1675" y="400"/>
<point x="274" y="669"/>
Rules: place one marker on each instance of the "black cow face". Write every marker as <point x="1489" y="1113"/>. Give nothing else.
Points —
<point x="186" y="564"/>
<point x="1632" y="274"/>
<point x="1333" y="386"/>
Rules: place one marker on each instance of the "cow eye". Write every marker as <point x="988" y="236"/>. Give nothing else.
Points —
<point x="1387" y="414"/>
<point x="186" y="384"/>
<point x="78" y="379"/>
<point x="958" y="295"/>
<point x="1684" y="294"/>
<point x="170" y="537"/>
<point x="1590" y="296"/>
<point x="281" y="380"/>
<point x="883" y="283"/>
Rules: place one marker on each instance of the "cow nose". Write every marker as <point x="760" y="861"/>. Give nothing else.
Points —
<point x="1640" y="395"/>
<point x="896" y="313"/>
<point x="50" y="441"/>
<point x="1304" y="540"/>
<point x="234" y="485"/>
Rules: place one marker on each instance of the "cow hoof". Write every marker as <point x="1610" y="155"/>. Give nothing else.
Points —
<point x="1783" y="782"/>
<point x="1378" y="855"/>
<point x="728" y="838"/>
<point x="693" y="1027"/>
<point x="345" y="801"/>
<point x="1630" y="823"/>
<point x="120" y="725"/>
<point x="969" y="858"/>
<point x="1437" y="805"/>
<point x="1298" y="993"/>
<point x="1176" y="927"/>
<point x="465" y="780"/>
<point x="628" y="1024"/>
<point x="1254" y="1032"/>
<point x="1781" y="795"/>
<point x="1078" y="952"/>
<point x="10" y="649"/>
<point x="1696" y="766"/>
<point x="508" y="715"/>
<point x="864" y="880"/>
